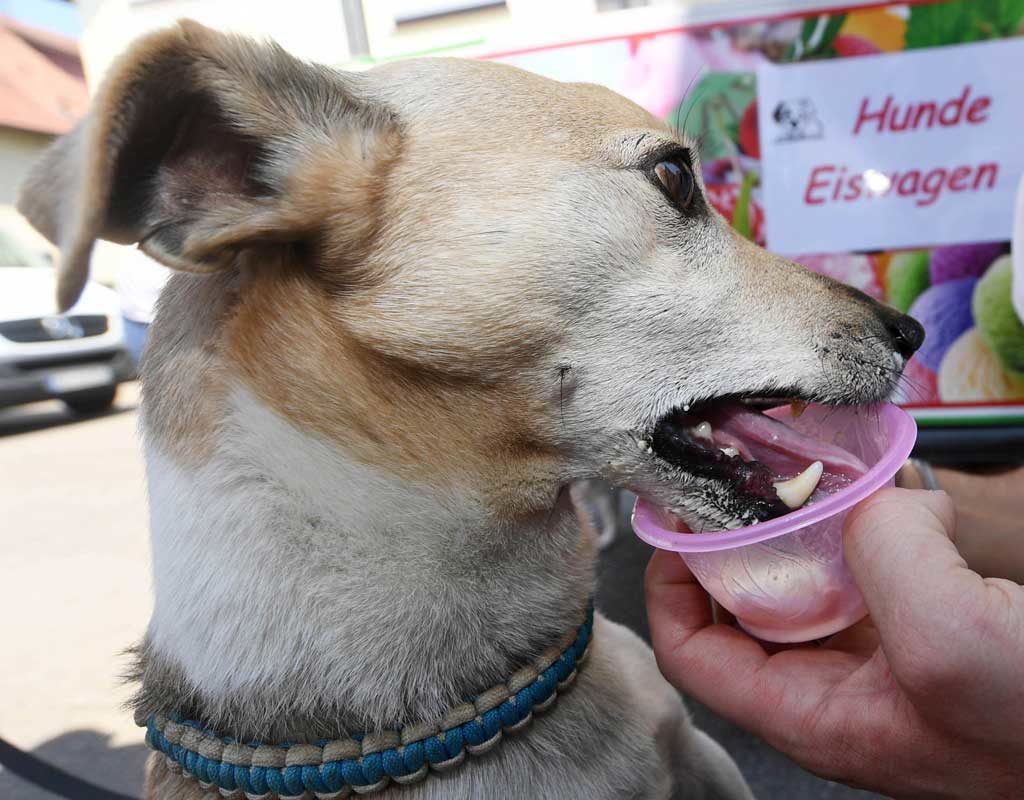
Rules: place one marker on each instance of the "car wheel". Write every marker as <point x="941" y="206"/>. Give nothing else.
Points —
<point x="94" y="401"/>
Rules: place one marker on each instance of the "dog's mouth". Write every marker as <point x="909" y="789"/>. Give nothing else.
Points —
<point x="763" y="465"/>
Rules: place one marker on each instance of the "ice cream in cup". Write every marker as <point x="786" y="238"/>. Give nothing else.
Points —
<point x="785" y="579"/>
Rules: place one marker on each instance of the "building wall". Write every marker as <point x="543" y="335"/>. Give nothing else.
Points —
<point x="312" y="29"/>
<point x="522" y="23"/>
<point x="18" y="151"/>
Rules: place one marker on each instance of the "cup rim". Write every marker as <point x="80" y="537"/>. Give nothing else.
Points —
<point x="902" y="431"/>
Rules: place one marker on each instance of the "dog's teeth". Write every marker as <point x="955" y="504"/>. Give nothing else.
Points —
<point x="686" y="406"/>
<point x="797" y="407"/>
<point x="796" y="490"/>
<point x="703" y="431"/>
<point x="732" y="452"/>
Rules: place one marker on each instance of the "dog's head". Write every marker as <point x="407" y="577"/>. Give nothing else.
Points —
<point x="462" y="274"/>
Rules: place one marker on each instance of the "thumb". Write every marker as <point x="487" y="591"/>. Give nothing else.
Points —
<point x="898" y="545"/>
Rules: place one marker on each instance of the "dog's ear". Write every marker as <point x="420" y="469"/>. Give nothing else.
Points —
<point x="204" y="147"/>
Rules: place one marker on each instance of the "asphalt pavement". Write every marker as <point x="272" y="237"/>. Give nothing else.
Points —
<point x="75" y="592"/>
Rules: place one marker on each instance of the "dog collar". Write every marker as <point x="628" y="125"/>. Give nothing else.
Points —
<point x="367" y="763"/>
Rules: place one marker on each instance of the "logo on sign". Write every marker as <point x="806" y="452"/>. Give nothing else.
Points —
<point x="797" y="120"/>
<point x="61" y="328"/>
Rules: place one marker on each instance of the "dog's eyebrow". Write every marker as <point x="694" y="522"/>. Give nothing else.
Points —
<point x="647" y="148"/>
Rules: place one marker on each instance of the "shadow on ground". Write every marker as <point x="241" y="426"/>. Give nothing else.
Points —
<point x="770" y="774"/>
<point x="52" y="414"/>
<point x="87" y="755"/>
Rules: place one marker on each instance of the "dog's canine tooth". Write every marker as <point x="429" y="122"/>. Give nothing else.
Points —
<point x="703" y="431"/>
<point x="732" y="452"/>
<point x="796" y="490"/>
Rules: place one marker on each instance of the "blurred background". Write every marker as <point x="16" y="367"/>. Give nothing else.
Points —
<point x="744" y="77"/>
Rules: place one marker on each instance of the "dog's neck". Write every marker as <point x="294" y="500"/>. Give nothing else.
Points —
<point x="300" y="595"/>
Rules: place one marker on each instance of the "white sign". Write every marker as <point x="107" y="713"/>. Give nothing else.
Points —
<point x="876" y="152"/>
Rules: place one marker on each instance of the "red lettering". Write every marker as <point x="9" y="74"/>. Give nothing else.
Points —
<point x="895" y="123"/>
<point x="908" y="182"/>
<point x="814" y="183"/>
<point x="989" y="169"/>
<point x="898" y="117"/>
<point x="839" y="184"/>
<point x="921" y="109"/>
<point x="863" y="116"/>
<point x="957" y="181"/>
<point x="956" y="105"/>
<point x="853" y="188"/>
<point x="931" y="186"/>
<point x="978" y="105"/>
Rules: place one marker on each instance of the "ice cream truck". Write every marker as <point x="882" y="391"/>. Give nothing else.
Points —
<point x="877" y="143"/>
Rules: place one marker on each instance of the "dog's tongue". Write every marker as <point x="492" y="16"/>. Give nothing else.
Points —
<point x="783" y="448"/>
<point x="801" y="466"/>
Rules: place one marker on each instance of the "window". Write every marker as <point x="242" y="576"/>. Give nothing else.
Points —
<point x="417" y="11"/>
<point x="614" y="5"/>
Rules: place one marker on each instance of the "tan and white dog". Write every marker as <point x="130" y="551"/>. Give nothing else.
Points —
<point x="415" y="304"/>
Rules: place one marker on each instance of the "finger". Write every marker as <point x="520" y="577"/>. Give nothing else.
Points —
<point x="898" y="547"/>
<point x="673" y="594"/>
<point x="667" y="568"/>
<point x="700" y="657"/>
<point x="725" y="668"/>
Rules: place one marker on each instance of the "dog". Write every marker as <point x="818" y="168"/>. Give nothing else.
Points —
<point x="798" y="119"/>
<point x="412" y="306"/>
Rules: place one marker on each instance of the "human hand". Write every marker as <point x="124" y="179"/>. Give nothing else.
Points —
<point x="924" y="699"/>
<point x="989" y="534"/>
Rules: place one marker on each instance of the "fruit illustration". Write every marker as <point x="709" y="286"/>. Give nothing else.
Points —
<point x="963" y="260"/>
<point x="848" y="44"/>
<point x="718" y="171"/>
<point x="970" y="372"/>
<point x="906" y="278"/>
<point x="713" y="110"/>
<point x="748" y="139"/>
<point x="856" y="269"/>
<point x="879" y="26"/>
<point x="918" y="385"/>
<point x="998" y="323"/>
<point x="736" y="203"/>
<point x="880" y="264"/>
<point x="945" y="312"/>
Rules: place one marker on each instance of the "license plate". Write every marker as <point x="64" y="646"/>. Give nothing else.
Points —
<point x="75" y="379"/>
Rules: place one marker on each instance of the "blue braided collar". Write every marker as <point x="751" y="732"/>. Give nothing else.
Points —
<point x="367" y="763"/>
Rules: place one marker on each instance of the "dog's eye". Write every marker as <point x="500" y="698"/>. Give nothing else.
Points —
<point x="677" y="179"/>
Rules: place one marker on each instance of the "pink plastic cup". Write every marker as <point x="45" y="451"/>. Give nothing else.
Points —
<point x="786" y="580"/>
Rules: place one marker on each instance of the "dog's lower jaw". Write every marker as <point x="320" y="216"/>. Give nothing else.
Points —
<point x="702" y="504"/>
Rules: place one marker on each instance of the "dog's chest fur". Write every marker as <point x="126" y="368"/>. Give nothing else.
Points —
<point x="300" y="596"/>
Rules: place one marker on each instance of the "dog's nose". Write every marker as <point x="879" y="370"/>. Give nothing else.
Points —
<point x="907" y="333"/>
